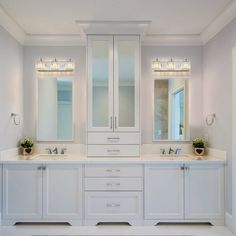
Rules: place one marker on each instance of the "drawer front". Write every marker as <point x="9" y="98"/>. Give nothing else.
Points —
<point x="109" y="205"/>
<point x="113" y="138"/>
<point x="113" y="171"/>
<point x="113" y="150"/>
<point x="113" y="184"/>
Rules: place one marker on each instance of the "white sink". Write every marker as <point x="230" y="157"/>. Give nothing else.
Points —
<point x="176" y="157"/>
<point x="49" y="157"/>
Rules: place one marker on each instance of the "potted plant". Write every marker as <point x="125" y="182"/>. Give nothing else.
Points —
<point x="27" y="146"/>
<point x="199" y="146"/>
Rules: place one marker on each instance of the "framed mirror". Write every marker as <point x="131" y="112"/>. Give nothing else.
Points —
<point x="55" y="109"/>
<point x="171" y="119"/>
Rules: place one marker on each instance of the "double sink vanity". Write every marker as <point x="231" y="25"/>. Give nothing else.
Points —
<point x="84" y="190"/>
<point x="117" y="179"/>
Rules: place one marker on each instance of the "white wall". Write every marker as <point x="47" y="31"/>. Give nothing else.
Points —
<point x="11" y="59"/>
<point x="217" y="95"/>
<point x="150" y="53"/>
<point x="77" y="54"/>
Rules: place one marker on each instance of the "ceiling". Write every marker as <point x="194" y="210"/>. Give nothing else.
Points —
<point x="167" y="17"/>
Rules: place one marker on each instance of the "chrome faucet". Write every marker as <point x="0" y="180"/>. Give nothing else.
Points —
<point x="55" y="150"/>
<point x="49" y="150"/>
<point x="171" y="151"/>
<point x="63" y="150"/>
<point x="178" y="150"/>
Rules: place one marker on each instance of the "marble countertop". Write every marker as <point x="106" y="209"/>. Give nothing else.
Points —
<point x="80" y="159"/>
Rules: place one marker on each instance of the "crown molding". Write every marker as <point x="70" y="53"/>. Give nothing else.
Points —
<point x="11" y="27"/>
<point x="54" y="40"/>
<point x="113" y="27"/>
<point x="171" y="40"/>
<point x="225" y="17"/>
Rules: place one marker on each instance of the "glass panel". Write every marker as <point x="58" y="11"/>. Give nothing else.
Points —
<point x="126" y="71"/>
<point x="55" y="109"/>
<point x="100" y="77"/>
<point x="170" y="110"/>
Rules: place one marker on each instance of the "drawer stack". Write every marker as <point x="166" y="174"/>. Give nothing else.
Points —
<point x="113" y="193"/>
<point x="113" y="144"/>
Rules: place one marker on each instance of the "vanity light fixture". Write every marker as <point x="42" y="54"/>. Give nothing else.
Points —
<point x="55" y="65"/>
<point x="171" y="67"/>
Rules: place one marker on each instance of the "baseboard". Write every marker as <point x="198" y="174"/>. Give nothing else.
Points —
<point x="229" y="221"/>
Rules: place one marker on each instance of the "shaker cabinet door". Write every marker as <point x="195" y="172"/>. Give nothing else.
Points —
<point x="22" y="192"/>
<point x="126" y="83"/>
<point x="164" y="192"/>
<point x="62" y="192"/>
<point x="204" y="192"/>
<point x="100" y="83"/>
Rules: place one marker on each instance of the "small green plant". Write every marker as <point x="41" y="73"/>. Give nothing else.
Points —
<point x="199" y="143"/>
<point x="26" y="143"/>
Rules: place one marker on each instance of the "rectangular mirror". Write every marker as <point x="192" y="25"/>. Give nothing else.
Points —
<point x="171" y="109"/>
<point x="55" y="109"/>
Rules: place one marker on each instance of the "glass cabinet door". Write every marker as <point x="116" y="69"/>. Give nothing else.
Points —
<point x="126" y="83"/>
<point x="100" y="83"/>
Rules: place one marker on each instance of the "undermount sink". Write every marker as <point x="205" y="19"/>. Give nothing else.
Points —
<point x="50" y="157"/>
<point x="176" y="157"/>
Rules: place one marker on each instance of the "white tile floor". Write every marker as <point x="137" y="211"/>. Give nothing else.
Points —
<point x="196" y="230"/>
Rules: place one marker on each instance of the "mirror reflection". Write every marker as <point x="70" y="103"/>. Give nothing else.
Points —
<point x="170" y="109"/>
<point x="55" y="109"/>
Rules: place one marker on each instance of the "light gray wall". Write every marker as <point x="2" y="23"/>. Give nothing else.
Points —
<point x="11" y="75"/>
<point x="217" y="95"/>
<point x="77" y="54"/>
<point x="150" y="53"/>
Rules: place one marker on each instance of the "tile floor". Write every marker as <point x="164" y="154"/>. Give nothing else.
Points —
<point x="195" y="230"/>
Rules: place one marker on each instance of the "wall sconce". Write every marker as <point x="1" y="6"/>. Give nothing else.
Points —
<point x="55" y="65"/>
<point x="171" y="67"/>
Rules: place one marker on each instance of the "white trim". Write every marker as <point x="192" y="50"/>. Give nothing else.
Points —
<point x="54" y="40"/>
<point x="113" y="27"/>
<point x="227" y="15"/>
<point x="233" y="139"/>
<point x="11" y="26"/>
<point x="171" y="40"/>
<point x="229" y="221"/>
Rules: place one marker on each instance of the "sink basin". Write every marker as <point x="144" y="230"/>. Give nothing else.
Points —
<point x="49" y="157"/>
<point x="176" y="157"/>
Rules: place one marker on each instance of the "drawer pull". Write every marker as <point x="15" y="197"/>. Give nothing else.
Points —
<point x="113" y="205"/>
<point x="113" y="151"/>
<point x="113" y="184"/>
<point x="113" y="170"/>
<point x="113" y="139"/>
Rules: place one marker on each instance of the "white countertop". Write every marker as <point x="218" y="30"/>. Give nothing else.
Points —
<point x="144" y="159"/>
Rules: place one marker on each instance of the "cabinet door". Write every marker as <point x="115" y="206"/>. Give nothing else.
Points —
<point x="164" y="192"/>
<point x="100" y="83"/>
<point x="204" y="192"/>
<point x="22" y="192"/>
<point x="126" y="83"/>
<point x="62" y="192"/>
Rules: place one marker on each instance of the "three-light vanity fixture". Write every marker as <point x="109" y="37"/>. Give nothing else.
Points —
<point x="55" y="65"/>
<point x="177" y="66"/>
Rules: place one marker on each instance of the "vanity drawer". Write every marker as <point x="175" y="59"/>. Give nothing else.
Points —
<point x="113" y="150"/>
<point x="113" y="138"/>
<point x="113" y="171"/>
<point x="109" y="205"/>
<point x="113" y="184"/>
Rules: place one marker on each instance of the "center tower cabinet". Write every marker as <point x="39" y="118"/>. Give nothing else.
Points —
<point x="113" y="95"/>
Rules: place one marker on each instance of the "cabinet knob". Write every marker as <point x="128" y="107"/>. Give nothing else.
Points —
<point x="182" y="168"/>
<point x="44" y="167"/>
<point x="39" y="168"/>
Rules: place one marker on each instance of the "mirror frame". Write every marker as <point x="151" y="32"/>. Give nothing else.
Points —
<point x="37" y="107"/>
<point x="186" y="101"/>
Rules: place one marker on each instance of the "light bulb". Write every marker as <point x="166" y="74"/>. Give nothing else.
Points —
<point x="170" y="65"/>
